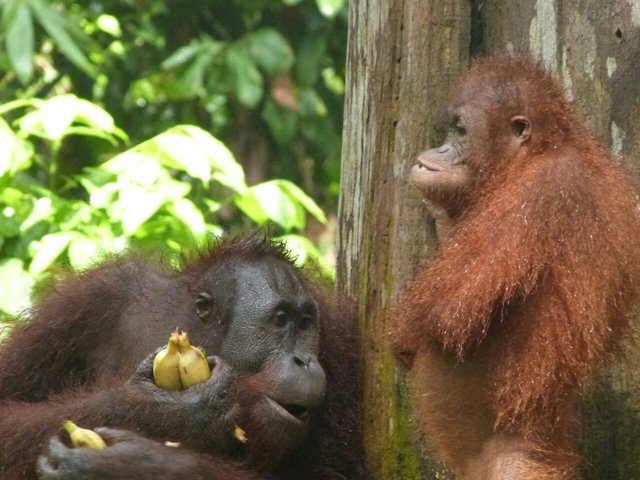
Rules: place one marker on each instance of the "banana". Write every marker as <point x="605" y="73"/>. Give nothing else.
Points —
<point x="83" y="437"/>
<point x="193" y="364"/>
<point x="240" y="434"/>
<point x="165" y="365"/>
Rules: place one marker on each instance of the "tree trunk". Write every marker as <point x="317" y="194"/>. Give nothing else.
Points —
<point x="403" y="56"/>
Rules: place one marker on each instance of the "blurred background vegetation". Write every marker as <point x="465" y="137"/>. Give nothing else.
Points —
<point x="157" y="123"/>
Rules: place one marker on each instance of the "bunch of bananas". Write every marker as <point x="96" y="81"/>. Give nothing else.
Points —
<point x="180" y="365"/>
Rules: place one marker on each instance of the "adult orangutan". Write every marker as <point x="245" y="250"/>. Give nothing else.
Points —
<point x="533" y="288"/>
<point x="285" y="371"/>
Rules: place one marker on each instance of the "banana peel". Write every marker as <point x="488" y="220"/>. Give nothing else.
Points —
<point x="166" y="371"/>
<point x="193" y="364"/>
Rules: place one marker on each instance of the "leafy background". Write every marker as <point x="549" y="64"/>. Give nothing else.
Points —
<point x="156" y="124"/>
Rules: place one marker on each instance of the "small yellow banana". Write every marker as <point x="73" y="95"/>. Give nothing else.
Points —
<point x="165" y="365"/>
<point x="240" y="434"/>
<point x="193" y="364"/>
<point x="83" y="437"/>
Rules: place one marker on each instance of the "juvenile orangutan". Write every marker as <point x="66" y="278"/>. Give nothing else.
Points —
<point x="533" y="288"/>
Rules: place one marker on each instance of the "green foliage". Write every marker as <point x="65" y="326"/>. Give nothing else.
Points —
<point x="252" y="72"/>
<point x="263" y="79"/>
<point x="18" y="18"/>
<point x="166" y="193"/>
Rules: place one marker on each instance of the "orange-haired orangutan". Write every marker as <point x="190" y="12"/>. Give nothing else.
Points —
<point x="534" y="285"/>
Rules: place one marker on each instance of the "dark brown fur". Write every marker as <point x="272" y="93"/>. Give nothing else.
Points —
<point x="532" y="292"/>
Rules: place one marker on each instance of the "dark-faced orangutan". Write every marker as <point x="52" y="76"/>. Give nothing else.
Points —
<point x="285" y="371"/>
<point x="533" y="287"/>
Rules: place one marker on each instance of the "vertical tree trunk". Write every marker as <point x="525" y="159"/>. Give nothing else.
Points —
<point x="402" y="57"/>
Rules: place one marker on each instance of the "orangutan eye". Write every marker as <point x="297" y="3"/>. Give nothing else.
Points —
<point x="307" y="321"/>
<point x="204" y="304"/>
<point x="280" y="318"/>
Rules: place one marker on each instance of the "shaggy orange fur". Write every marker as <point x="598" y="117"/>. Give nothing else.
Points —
<point x="533" y="290"/>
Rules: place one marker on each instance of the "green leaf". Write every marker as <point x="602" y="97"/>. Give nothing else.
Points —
<point x="97" y="177"/>
<point x="311" y="103"/>
<point x="249" y="204"/>
<point x="21" y="103"/>
<point x="9" y="226"/>
<point x="96" y="117"/>
<point x="15" y="202"/>
<point x="83" y="251"/>
<point x="193" y="76"/>
<point x="143" y="187"/>
<point x="303" y="199"/>
<point x="182" y="55"/>
<point x="48" y="121"/>
<point x="186" y="211"/>
<point x="75" y="214"/>
<point x="196" y="59"/>
<point x="18" y="28"/>
<point x="279" y="201"/>
<point x="16" y="285"/>
<point x="275" y="203"/>
<point x="310" y="58"/>
<point x="109" y="24"/>
<point x="333" y="81"/>
<point x="173" y="190"/>
<point x="60" y="28"/>
<point x="92" y="132"/>
<point x="212" y="206"/>
<point x="330" y="8"/>
<point x="198" y="46"/>
<point x="282" y="122"/>
<point x="300" y="248"/>
<point x="244" y="77"/>
<point x="205" y="148"/>
<point x="138" y="165"/>
<point x="15" y="153"/>
<point x="48" y="249"/>
<point x="187" y="148"/>
<point x="179" y="149"/>
<point x="271" y="50"/>
<point x="53" y="119"/>
<point x="135" y="206"/>
<point x="102" y="197"/>
<point x="42" y="210"/>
